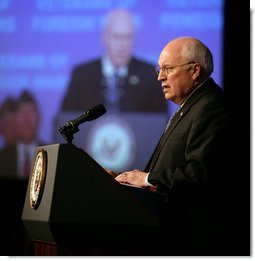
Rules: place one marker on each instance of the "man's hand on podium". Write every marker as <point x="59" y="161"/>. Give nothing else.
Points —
<point x="134" y="177"/>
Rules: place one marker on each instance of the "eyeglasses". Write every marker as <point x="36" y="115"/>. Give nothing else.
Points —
<point x="168" y="69"/>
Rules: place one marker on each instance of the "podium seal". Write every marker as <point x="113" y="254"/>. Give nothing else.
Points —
<point x="38" y="178"/>
<point x="111" y="142"/>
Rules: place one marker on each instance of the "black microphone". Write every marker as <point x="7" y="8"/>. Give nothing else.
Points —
<point x="71" y="126"/>
<point x="88" y="115"/>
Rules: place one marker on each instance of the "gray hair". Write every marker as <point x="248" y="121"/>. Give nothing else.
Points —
<point x="196" y="51"/>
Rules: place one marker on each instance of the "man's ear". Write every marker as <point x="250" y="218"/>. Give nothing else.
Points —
<point x="196" y="71"/>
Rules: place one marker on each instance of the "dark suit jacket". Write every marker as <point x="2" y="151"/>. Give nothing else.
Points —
<point x="9" y="161"/>
<point x="87" y="88"/>
<point x="191" y="164"/>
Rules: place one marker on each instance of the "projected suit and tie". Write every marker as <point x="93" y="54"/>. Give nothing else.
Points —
<point x="117" y="79"/>
<point x="128" y="88"/>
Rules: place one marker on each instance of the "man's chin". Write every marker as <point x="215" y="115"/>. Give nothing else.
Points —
<point x="120" y="63"/>
<point x="167" y="96"/>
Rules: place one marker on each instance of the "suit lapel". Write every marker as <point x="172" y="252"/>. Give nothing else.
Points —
<point x="177" y="118"/>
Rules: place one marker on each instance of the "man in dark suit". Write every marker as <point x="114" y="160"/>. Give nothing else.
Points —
<point x="118" y="80"/>
<point x="7" y="122"/>
<point x="191" y="163"/>
<point x="16" y="159"/>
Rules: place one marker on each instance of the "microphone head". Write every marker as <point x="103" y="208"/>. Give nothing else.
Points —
<point x="96" y="112"/>
<point x="71" y="127"/>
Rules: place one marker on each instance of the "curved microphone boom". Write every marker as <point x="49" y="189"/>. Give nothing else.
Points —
<point x="71" y="126"/>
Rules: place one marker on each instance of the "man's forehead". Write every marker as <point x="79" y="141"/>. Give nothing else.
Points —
<point x="168" y="57"/>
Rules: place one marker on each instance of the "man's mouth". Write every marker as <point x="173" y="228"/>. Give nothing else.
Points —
<point x="164" y="87"/>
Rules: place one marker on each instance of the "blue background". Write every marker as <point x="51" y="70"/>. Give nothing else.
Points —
<point x="42" y="40"/>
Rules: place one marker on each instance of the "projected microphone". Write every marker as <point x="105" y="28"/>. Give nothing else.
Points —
<point x="71" y="127"/>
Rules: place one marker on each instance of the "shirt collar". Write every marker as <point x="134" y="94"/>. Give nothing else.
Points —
<point x="194" y="90"/>
<point x="108" y="68"/>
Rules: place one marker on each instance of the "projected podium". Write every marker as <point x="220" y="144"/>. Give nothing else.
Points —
<point x="72" y="201"/>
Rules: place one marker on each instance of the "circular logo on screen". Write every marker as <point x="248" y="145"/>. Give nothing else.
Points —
<point x="38" y="178"/>
<point x="111" y="142"/>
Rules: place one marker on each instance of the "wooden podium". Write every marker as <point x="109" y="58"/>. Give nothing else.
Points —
<point x="74" y="207"/>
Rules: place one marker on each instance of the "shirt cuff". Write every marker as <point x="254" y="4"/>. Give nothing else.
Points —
<point x="146" y="180"/>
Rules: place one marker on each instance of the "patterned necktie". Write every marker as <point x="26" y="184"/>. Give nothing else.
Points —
<point x="171" y="119"/>
<point x="160" y="143"/>
<point x="113" y="93"/>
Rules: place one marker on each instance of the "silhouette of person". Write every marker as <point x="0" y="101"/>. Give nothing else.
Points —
<point x="15" y="159"/>
<point x="7" y="121"/>
<point x="15" y="162"/>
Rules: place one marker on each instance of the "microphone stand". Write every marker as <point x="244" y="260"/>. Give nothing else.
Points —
<point x="68" y="131"/>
